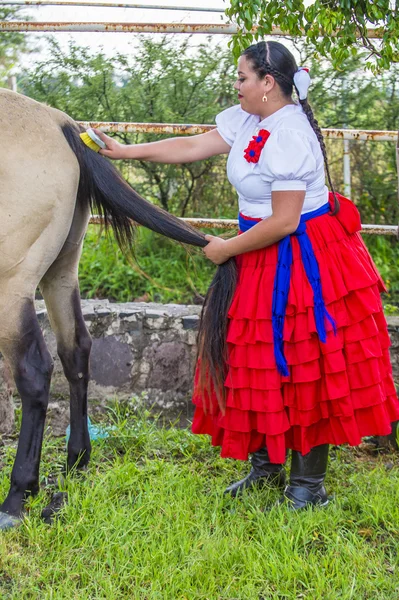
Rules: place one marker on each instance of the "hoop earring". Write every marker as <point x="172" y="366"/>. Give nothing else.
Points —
<point x="264" y="99"/>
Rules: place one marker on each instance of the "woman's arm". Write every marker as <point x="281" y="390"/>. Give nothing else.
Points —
<point x="171" y="151"/>
<point x="287" y="207"/>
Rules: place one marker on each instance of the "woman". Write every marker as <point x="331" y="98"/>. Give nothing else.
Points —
<point x="308" y="349"/>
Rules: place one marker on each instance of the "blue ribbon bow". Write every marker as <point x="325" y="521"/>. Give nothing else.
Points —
<point x="282" y="283"/>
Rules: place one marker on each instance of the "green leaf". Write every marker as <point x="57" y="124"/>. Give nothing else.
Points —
<point x="338" y="19"/>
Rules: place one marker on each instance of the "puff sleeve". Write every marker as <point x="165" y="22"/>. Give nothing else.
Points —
<point x="229" y="122"/>
<point x="287" y="161"/>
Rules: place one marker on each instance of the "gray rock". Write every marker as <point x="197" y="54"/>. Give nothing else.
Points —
<point x="170" y="366"/>
<point x="191" y="322"/>
<point x="110" y="361"/>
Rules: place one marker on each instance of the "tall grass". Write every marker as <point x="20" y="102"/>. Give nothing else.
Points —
<point x="163" y="271"/>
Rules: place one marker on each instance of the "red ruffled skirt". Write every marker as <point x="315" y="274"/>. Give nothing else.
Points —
<point x="336" y="392"/>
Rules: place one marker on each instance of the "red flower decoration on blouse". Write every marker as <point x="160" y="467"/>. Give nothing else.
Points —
<point x="254" y="148"/>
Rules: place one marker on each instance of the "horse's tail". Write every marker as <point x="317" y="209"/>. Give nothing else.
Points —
<point x="112" y="197"/>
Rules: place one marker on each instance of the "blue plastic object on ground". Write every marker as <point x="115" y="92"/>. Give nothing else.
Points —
<point x="96" y="432"/>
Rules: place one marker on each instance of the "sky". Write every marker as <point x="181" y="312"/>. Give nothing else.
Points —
<point x="121" y="42"/>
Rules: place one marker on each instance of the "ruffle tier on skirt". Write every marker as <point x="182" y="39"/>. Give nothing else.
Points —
<point x="336" y="392"/>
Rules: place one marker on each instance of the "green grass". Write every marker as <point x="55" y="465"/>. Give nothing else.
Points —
<point x="149" y="521"/>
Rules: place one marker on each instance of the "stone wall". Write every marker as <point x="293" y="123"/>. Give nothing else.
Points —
<point x="138" y="349"/>
<point x="143" y="349"/>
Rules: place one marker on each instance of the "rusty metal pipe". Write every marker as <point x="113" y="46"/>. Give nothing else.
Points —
<point x="167" y="128"/>
<point x="192" y="129"/>
<point x="358" y="134"/>
<point x="223" y="28"/>
<point x="110" y="4"/>
<point x="233" y="224"/>
<point x="106" y="27"/>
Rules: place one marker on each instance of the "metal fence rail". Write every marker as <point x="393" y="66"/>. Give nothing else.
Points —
<point x="193" y="129"/>
<point x="223" y="28"/>
<point x="110" y="4"/>
<point x="233" y="224"/>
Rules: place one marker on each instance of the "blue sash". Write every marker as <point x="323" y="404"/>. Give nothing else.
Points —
<point x="282" y="283"/>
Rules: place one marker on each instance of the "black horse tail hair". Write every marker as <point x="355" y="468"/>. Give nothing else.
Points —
<point x="118" y="204"/>
<point x="212" y="350"/>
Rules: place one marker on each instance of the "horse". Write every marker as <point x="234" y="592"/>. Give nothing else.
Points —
<point x="50" y="183"/>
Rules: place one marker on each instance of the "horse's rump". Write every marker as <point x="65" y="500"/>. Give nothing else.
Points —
<point x="39" y="177"/>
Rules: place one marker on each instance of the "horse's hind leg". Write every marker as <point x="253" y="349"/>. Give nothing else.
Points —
<point x="60" y="290"/>
<point x="22" y="344"/>
<point x="73" y="346"/>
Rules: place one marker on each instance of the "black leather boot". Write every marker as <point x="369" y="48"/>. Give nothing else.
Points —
<point x="387" y="442"/>
<point x="394" y="435"/>
<point x="262" y="472"/>
<point x="306" y="487"/>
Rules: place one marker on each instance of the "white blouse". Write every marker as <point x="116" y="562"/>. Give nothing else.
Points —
<point x="290" y="160"/>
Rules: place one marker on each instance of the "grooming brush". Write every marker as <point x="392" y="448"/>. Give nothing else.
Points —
<point x="91" y="139"/>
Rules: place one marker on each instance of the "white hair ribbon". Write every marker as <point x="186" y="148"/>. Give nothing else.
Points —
<point x="302" y="82"/>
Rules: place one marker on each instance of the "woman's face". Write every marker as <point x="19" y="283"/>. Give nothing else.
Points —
<point x="250" y="88"/>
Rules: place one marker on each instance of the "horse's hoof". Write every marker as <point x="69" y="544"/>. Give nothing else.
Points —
<point x="9" y="521"/>
<point x="53" y="508"/>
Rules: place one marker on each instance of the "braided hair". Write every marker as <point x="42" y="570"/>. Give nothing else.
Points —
<point x="272" y="58"/>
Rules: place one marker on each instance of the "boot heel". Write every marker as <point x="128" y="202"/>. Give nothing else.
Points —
<point x="298" y="498"/>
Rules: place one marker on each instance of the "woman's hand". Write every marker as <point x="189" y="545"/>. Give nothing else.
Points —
<point x="114" y="149"/>
<point x="216" y="250"/>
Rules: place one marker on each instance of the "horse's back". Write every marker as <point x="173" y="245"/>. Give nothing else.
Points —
<point x="39" y="176"/>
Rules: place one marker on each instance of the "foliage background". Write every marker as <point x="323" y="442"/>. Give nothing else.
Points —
<point x="12" y="44"/>
<point x="337" y="29"/>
